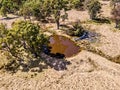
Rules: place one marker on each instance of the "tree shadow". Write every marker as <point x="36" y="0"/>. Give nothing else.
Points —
<point x="65" y="26"/>
<point x="34" y="66"/>
<point x="102" y="20"/>
<point x="55" y="60"/>
<point x="9" y="18"/>
<point x="46" y="60"/>
<point x="47" y="20"/>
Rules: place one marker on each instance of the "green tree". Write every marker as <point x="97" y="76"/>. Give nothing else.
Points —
<point x="41" y="9"/>
<point x="27" y="9"/>
<point x="7" y="6"/>
<point x="94" y="8"/>
<point x="24" y="41"/>
<point x="56" y="7"/>
<point x="10" y="6"/>
<point x="77" y="4"/>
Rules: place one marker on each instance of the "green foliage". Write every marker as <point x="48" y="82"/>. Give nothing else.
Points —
<point x="77" y="30"/>
<point x="56" y="7"/>
<point x="24" y="41"/>
<point x="94" y="7"/>
<point x="27" y="9"/>
<point x="77" y="4"/>
<point x="36" y="8"/>
<point x="7" y="6"/>
<point x="10" y="6"/>
<point x="3" y="33"/>
<point x="42" y="9"/>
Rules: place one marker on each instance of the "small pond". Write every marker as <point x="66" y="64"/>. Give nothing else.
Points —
<point x="63" y="45"/>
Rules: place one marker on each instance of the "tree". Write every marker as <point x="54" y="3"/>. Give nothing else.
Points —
<point x="19" y="2"/>
<point x="94" y="7"/>
<point x="7" y="6"/>
<point x="27" y="9"/>
<point x="24" y="41"/>
<point x="116" y="15"/>
<point x="56" y="7"/>
<point x="77" y="4"/>
<point x="40" y="9"/>
<point x="10" y="6"/>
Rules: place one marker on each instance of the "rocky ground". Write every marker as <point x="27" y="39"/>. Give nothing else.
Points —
<point x="87" y="71"/>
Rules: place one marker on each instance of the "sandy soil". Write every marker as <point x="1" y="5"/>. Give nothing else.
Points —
<point x="11" y="19"/>
<point x="106" y="8"/>
<point x="88" y="71"/>
<point x="109" y="40"/>
<point x="74" y="15"/>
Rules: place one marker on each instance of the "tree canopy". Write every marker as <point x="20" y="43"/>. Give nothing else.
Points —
<point x="23" y="41"/>
<point x="94" y="7"/>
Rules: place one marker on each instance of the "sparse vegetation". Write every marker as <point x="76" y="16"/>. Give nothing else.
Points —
<point x="38" y="38"/>
<point x="76" y="30"/>
<point x="77" y="4"/>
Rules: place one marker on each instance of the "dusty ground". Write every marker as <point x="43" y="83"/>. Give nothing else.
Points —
<point x="88" y="71"/>
<point x="109" y="40"/>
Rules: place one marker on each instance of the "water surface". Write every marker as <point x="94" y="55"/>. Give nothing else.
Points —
<point x="63" y="45"/>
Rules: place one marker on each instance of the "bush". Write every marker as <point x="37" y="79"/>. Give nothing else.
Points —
<point x="23" y="42"/>
<point x="76" y="30"/>
<point x="94" y="8"/>
<point x="77" y="4"/>
<point x="8" y="6"/>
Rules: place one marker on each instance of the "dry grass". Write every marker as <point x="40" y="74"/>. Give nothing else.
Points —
<point x="3" y="60"/>
<point x="91" y="69"/>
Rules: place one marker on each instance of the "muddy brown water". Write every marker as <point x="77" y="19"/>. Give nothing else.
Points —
<point x="63" y="45"/>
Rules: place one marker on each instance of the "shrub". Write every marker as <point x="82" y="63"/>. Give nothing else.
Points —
<point x="76" y="30"/>
<point x="94" y="8"/>
<point x="23" y="42"/>
<point x="77" y="4"/>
